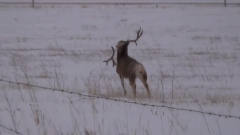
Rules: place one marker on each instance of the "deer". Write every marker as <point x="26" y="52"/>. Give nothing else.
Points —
<point x="127" y="67"/>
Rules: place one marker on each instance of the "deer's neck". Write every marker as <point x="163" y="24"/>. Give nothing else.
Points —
<point x="122" y="53"/>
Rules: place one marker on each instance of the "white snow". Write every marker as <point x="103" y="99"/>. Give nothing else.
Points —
<point x="192" y="51"/>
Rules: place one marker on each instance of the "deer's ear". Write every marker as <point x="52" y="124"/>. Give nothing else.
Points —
<point x="119" y="44"/>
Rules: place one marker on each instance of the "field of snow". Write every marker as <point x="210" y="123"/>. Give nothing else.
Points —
<point x="191" y="54"/>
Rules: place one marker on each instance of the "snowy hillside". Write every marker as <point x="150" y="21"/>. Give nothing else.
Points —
<point x="191" y="54"/>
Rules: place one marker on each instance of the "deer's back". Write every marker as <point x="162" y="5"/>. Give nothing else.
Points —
<point x="127" y="67"/>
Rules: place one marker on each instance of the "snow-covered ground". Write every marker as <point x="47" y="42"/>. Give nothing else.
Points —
<point x="191" y="54"/>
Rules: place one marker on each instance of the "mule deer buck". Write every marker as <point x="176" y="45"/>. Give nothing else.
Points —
<point x="128" y="67"/>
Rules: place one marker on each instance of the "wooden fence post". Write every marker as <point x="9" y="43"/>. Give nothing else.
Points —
<point x="33" y="3"/>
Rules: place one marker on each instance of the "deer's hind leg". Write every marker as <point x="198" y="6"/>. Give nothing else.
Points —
<point x="133" y="85"/>
<point x="143" y="78"/>
<point x="122" y="83"/>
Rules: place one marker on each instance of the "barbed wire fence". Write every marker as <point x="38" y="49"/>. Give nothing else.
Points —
<point x="111" y="99"/>
<point x="33" y="3"/>
<point x="10" y="130"/>
<point x="121" y="100"/>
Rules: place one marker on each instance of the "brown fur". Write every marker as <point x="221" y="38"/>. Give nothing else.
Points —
<point x="128" y="67"/>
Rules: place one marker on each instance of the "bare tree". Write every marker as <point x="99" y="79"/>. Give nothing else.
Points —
<point x="128" y="67"/>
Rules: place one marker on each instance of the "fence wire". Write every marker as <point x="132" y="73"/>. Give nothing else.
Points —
<point x="126" y="2"/>
<point x="10" y="130"/>
<point x="121" y="100"/>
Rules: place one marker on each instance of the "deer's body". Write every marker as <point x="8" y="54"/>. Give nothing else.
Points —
<point x="128" y="67"/>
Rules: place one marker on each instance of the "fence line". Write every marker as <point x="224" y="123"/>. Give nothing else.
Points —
<point x="36" y="2"/>
<point x="121" y="100"/>
<point x="11" y="130"/>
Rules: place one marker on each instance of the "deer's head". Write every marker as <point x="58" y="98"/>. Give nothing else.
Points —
<point x="122" y="46"/>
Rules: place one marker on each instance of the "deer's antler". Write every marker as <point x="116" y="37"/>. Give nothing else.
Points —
<point x="139" y="34"/>
<point x="111" y="58"/>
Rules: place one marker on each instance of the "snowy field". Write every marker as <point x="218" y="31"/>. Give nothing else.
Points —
<point x="191" y="54"/>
